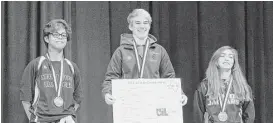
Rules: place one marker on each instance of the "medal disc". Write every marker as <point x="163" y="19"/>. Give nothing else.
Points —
<point x="58" y="101"/>
<point x="222" y="116"/>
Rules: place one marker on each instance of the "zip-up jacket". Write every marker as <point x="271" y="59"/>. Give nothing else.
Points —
<point x="123" y="64"/>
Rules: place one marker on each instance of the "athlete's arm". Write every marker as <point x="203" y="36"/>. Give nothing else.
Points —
<point x="27" y="86"/>
<point x="26" y="106"/>
<point x="166" y="68"/>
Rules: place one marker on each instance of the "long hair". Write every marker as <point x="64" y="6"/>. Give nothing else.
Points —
<point x="239" y="85"/>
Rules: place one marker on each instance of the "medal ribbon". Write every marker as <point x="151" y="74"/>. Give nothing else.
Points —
<point x="226" y="96"/>
<point x="58" y="90"/>
<point x="141" y="69"/>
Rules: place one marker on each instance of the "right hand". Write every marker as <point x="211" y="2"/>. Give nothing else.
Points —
<point x="67" y="119"/>
<point x="109" y="99"/>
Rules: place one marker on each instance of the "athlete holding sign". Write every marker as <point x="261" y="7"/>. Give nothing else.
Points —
<point x="138" y="56"/>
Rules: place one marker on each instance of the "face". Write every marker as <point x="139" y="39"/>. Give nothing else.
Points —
<point x="57" y="40"/>
<point x="140" y="27"/>
<point x="226" y="59"/>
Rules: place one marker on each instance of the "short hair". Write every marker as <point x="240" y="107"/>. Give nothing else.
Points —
<point x="55" y="25"/>
<point x="137" y="12"/>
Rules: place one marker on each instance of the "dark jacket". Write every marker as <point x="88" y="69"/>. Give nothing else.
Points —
<point x="123" y="62"/>
<point x="238" y="111"/>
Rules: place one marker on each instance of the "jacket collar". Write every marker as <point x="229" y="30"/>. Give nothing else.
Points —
<point x="127" y="40"/>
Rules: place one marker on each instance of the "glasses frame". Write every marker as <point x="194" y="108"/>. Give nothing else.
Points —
<point x="59" y="36"/>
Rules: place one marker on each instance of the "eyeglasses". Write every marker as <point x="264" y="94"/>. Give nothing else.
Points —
<point x="58" y="35"/>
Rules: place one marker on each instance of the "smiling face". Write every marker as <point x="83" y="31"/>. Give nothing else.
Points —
<point x="226" y="59"/>
<point x="140" y="26"/>
<point x="57" y="40"/>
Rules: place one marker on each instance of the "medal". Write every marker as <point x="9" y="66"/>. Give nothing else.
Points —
<point x="58" y="101"/>
<point x="141" y="69"/>
<point x="222" y="116"/>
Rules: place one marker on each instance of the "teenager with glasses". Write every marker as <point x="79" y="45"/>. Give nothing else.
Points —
<point x="51" y="87"/>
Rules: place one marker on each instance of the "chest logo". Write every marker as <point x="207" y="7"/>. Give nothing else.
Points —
<point x="129" y="57"/>
<point x="154" y="56"/>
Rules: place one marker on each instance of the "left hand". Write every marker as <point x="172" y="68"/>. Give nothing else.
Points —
<point x="184" y="99"/>
<point x="76" y="106"/>
<point x="67" y="119"/>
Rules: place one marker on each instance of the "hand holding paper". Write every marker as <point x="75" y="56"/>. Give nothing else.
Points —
<point x="109" y="99"/>
<point x="184" y="99"/>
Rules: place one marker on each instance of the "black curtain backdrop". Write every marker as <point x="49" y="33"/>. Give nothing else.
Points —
<point x="189" y="31"/>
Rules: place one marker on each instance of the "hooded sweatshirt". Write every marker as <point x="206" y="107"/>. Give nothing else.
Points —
<point x="123" y="64"/>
